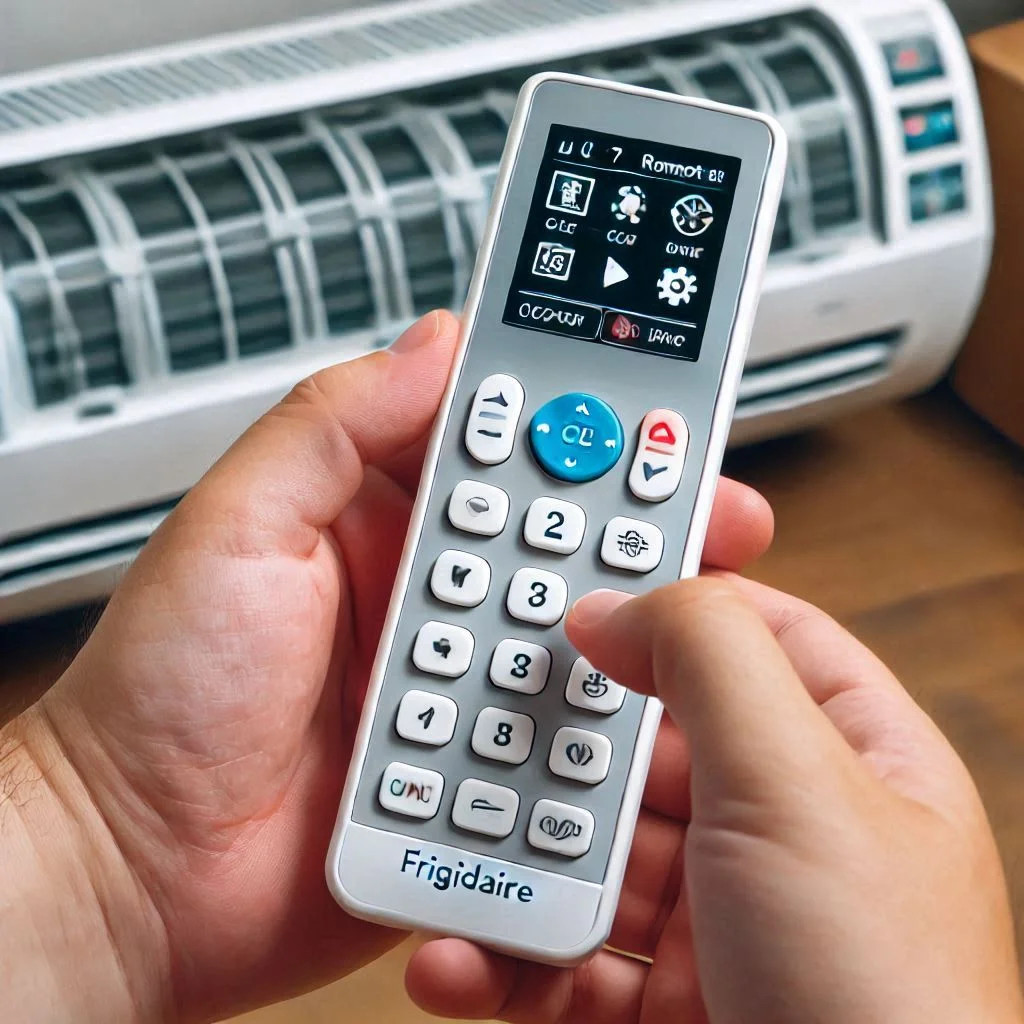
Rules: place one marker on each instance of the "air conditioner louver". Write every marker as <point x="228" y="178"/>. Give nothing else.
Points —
<point x="130" y="267"/>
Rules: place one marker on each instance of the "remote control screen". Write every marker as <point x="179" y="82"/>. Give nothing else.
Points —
<point x="623" y="242"/>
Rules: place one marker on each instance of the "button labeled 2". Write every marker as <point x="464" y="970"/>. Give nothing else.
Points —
<point x="553" y="525"/>
<point x="660" y="456"/>
<point x="491" y="432"/>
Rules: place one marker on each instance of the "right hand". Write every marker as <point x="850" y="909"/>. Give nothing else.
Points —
<point x="832" y="861"/>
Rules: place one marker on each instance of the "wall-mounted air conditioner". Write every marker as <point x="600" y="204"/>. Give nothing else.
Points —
<point x="186" y="233"/>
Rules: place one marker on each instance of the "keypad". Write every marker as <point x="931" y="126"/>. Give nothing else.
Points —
<point x="427" y="718"/>
<point x="503" y="735"/>
<point x="554" y="525"/>
<point x="517" y="665"/>
<point x="537" y="596"/>
<point x="461" y="579"/>
<point x="575" y="439"/>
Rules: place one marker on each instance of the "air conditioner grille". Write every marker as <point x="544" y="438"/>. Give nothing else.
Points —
<point x="194" y="253"/>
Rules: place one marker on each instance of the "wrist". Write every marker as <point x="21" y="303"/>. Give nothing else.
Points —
<point x="79" y="938"/>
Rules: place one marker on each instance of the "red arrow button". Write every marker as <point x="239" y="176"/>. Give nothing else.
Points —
<point x="662" y="433"/>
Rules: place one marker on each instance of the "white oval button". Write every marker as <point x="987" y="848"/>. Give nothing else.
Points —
<point x="633" y="545"/>
<point x="520" y="666"/>
<point x="537" y="596"/>
<point x="561" y="828"/>
<point x="493" y="419"/>
<point x="660" y="456"/>
<point x="592" y="690"/>
<point x="443" y="650"/>
<point x="580" y="755"/>
<point x="485" y="808"/>
<point x="426" y="718"/>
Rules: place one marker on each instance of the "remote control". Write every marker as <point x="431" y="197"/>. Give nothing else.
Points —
<point x="497" y="775"/>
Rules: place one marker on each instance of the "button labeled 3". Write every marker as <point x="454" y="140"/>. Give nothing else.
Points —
<point x="633" y="545"/>
<point x="660" y="456"/>
<point x="426" y="718"/>
<point x="592" y="690"/>
<point x="460" y="579"/>
<point x="485" y="808"/>
<point x="537" y="596"/>
<point x="580" y="756"/>
<point x="491" y="432"/>
<point x="414" y="792"/>
<point x="478" y="508"/>
<point x="576" y="438"/>
<point x="561" y="828"/>
<point x="443" y="650"/>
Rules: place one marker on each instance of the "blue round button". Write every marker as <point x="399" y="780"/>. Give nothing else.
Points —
<point x="577" y="438"/>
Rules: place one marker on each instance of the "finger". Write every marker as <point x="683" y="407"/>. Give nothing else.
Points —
<point x="741" y="529"/>
<point x="708" y="655"/>
<point x="406" y="468"/>
<point x="667" y="792"/>
<point x="303" y="461"/>
<point x="652" y="884"/>
<point x="454" y="978"/>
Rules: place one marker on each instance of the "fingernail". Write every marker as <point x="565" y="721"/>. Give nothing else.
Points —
<point x="423" y="332"/>
<point x="596" y="607"/>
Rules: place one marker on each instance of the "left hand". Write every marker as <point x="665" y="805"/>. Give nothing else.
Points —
<point x="208" y="723"/>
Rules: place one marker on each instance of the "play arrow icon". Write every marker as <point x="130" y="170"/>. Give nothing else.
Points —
<point x="614" y="273"/>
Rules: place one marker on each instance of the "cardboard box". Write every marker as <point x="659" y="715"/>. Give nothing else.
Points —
<point x="989" y="375"/>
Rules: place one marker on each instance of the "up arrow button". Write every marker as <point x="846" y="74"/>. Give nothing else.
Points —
<point x="660" y="456"/>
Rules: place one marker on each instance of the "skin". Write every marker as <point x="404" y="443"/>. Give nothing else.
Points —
<point x="165" y="809"/>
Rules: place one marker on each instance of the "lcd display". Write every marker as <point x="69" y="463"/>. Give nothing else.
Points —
<point x="623" y="242"/>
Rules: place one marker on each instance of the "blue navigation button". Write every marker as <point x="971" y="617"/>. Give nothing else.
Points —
<point x="577" y="438"/>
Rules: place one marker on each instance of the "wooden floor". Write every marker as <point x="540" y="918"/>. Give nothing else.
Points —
<point x="906" y="523"/>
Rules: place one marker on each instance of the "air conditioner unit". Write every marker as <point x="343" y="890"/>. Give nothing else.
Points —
<point x="186" y="232"/>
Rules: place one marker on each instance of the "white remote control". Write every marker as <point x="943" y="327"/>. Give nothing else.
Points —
<point x="497" y="776"/>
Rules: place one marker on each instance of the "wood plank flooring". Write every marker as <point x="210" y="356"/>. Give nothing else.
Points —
<point x="905" y="522"/>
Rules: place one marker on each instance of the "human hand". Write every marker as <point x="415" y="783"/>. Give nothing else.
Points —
<point x="814" y="851"/>
<point x="196" y="749"/>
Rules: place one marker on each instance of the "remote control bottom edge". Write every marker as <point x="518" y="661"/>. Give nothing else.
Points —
<point x="400" y="881"/>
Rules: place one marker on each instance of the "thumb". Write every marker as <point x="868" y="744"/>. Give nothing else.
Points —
<point x="705" y="652"/>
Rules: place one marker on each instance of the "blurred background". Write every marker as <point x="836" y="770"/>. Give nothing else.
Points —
<point x="186" y="232"/>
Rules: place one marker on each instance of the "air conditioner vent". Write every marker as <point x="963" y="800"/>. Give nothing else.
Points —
<point x="129" y="267"/>
<point x="824" y="373"/>
<point x="800" y="76"/>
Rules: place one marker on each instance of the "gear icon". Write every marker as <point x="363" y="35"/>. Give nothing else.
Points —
<point x="677" y="286"/>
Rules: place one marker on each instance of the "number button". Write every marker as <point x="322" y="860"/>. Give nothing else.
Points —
<point x="503" y="736"/>
<point x="633" y="545"/>
<point x="485" y="808"/>
<point x="460" y="579"/>
<point x="580" y="756"/>
<point x="553" y="525"/>
<point x="592" y="691"/>
<point x="491" y="432"/>
<point x="426" y="718"/>
<point x="560" y="828"/>
<point x="520" y="666"/>
<point x="537" y="596"/>
<point x="443" y="650"/>
<point x="414" y="792"/>
<point x="478" y="508"/>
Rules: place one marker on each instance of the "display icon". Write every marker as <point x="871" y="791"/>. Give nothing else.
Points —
<point x="554" y="261"/>
<point x="614" y="273"/>
<point x="623" y="329"/>
<point x="692" y="216"/>
<point x="677" y="286"/>
<point x="571" y="193"/>
<point x="631" y="204"/>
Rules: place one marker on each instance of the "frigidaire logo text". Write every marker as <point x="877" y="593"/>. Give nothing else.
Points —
<point x="473" y="878"/>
